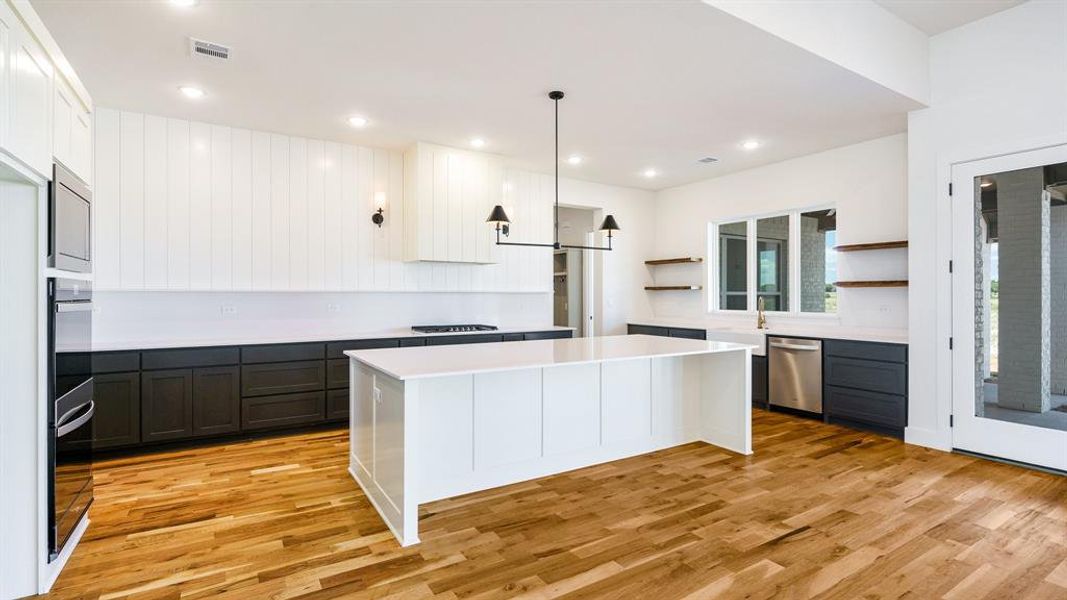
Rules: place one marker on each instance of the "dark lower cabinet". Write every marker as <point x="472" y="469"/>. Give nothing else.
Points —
<point x="216" y="401"/>
<point x="117" y="420"/>
<point x="337" y="405"/>
<point x="267" y="412"/>
<point x="632" y="329"/>
<point x="166" y="405"/>
<point x="759" y="381"/>
<point x="147" y="397"/>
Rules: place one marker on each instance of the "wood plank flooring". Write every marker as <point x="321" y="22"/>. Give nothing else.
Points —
<point x="817" y="512"/>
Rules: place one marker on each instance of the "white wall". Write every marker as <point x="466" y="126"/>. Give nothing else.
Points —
<point x="998" y="85"/>
<point x="203" y="209"/>
<point x="867" y="184"/>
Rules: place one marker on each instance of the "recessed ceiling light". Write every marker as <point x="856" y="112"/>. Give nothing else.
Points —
<point x="358" y="121"/>
<point x="751" y="144"/>
<point x="477" y="142"/>
<point x="650" y="173"/>
<point x="184" y="3"/>
<point x="574" y="159"/>
<point x="191" y="92"/>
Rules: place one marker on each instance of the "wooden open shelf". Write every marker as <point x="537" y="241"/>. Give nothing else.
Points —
<point x="661" y="288"/>
<point x="675" y="261"/>
<point x="872" y="246"/>
<point x="873" y="284"/>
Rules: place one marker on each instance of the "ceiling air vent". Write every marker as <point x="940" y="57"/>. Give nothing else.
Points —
<point x="707" y="160"/>
<point x="208" y="49"/>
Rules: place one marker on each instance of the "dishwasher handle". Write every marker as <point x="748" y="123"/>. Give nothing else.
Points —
<point x="794" y="347"/>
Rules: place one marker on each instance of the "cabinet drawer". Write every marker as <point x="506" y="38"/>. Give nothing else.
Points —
<point x="337" y="405"/>
<point x="513" y="337"/>
<point x="413" y="341"/>
<point x="875" y="376"/>
<point x="283" y="378"/>
<point x="116" y="362"/>
<point x="442" y="340"/>
<point x="337" y="373"/>
<point x="693" y="334"/>
<point x="547" y="335"/>
<point x="886" y="410"/>
<point x="337" y="349"/>
<point x="282" y="411"/>
<point x="866" y="350"/>
<point x="647" y="330"/>
<point x="184" y="358"/>
<point x="282" y="353"/>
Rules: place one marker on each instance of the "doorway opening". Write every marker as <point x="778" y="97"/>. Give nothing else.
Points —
<point x="572" y="276"/>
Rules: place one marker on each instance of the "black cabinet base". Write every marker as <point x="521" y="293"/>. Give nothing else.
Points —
<point x="889" y="431"/>
<point x="243" y="436"/>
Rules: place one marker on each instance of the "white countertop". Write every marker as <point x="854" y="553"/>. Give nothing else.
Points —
<point x="830" y="331"/>
<point x="464" y="359"/>
<point x="319" y="336"/>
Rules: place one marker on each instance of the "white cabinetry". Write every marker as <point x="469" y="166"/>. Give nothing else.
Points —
<point x="448" y="193"/>
<point x="30" y="102"/>
<point x="72" y="130"/>
<point x="41" y="114"/>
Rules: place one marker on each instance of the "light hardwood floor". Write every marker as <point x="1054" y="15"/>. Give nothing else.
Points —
<point x="817" y="511"/>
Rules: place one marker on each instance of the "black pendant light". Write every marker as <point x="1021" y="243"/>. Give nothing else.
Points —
<point x="500" y="219"/>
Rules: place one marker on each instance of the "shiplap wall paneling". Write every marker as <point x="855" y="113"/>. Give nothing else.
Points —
<point x="105" y="230"/>
<point x="178" y="221"/>
<point x="184" y="205"/>
<point x="131" y="200"/>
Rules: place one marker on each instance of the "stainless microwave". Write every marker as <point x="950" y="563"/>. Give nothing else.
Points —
<point x="70" y="222"/>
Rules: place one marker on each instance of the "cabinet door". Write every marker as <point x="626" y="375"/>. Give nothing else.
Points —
<point x="759" y="381"/>
<point x="216" y="401"/>
<point x="337" y="405"/>
<point x="117" y="420"/>
<point x="31" y="103"/>
<point x="62" y="118"/>
<point x="166" y="405"/>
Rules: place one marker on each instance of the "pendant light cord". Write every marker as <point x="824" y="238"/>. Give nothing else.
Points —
<point x="556" y="101"/>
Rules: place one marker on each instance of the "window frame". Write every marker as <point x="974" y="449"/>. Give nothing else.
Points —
<point x="713" y="273"/>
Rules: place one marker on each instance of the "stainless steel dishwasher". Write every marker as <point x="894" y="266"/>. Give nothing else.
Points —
<point x="795" y="373"/>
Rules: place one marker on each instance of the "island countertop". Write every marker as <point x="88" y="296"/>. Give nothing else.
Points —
<point x="437" y="361"/>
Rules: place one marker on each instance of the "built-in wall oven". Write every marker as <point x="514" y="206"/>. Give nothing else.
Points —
<point x="70" y="222"/>
<point x="71" y="407"/>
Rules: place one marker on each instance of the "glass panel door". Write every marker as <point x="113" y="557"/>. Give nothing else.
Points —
<point x="1010" y="307"/>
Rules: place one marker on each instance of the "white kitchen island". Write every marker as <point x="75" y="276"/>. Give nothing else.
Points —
<point x="432" y="422"/>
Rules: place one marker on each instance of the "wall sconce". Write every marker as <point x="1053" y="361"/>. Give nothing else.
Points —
<point x="378" y="217"/>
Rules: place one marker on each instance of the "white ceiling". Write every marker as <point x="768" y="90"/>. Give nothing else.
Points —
<point x="648" y="84"/>
<point x="936" y="16"/>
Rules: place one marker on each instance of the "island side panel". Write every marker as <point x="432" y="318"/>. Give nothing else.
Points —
<point x="726" y="411"/>
<point x="381" y="435"/>
<point x="676" y="398"/>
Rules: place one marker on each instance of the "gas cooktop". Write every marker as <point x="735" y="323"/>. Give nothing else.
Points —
<point x="451" y="328"/>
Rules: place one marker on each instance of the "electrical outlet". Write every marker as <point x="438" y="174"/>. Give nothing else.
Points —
<point x="334" y="308"/>
<point x="229" y="309"/>
<point x="377" y="396"/>
<point x="884" y="308"/>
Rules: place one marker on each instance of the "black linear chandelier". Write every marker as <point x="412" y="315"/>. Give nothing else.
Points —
<point x="500" y="218"/>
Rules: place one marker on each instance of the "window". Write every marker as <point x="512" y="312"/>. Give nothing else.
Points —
<point x="733" y="266"/>
<point x="818" y="266"/>
<point x="787" y="261"/>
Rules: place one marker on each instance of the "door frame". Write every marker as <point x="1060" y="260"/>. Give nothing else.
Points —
<point x="1013" y="441"/>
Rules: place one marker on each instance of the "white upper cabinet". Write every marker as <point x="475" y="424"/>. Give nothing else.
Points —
<point x="42" y="116"/>
<point x="72" y="130"/>
<point x="30" y="115"/>
<point x="448" y="193"/>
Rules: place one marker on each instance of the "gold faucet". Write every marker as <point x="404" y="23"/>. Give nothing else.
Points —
<point x="761" y="319"/>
